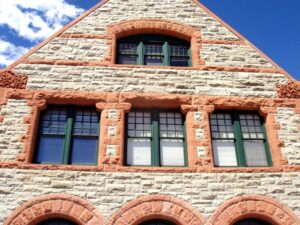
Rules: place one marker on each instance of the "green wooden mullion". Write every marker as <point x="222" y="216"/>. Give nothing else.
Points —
<point x="190" y="57"/>
<point x="240" y="153"/>
<point x="155" y="140"/>
<point x="166" y="54"/>
<point x="141" y="54"/>
<point x="267" y="146"/>
<point x="185" y="145"/>
<point x="68" y="136"/>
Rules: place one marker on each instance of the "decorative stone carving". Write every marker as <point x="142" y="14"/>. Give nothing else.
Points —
<point x="289" y="90"/>
<point x="9" y="79"/>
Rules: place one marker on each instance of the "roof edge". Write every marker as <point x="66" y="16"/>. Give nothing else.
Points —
<point x="234" y="31"/>
<point x="56" y="34"/>
<point x="102" y="2"/>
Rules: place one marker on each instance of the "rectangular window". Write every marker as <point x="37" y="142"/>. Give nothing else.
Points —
<point x="68" y="135"/>
<point x="239" y="139"/>
<point x="155" y="138"/>
<point x="127" y="53"/>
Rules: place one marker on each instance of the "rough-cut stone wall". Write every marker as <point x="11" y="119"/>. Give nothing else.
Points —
<point x="12" y="128"/>
<point x="73" y="49"/>
<point x="173" y="81"/>
<point x="289" y="132"/>
<point x="183" y="11"/>
<point x="232" y="55"/>
<point x="109" y="191"/>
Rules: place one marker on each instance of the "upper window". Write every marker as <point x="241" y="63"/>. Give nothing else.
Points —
<point x="155" y="50"/>
<point x="68" y="135"/>
<point x="155" y="138"/>
<point x="239" y="139"/>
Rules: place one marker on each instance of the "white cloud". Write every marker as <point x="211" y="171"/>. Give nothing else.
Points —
<point x="36" y="19"/>
<point x="10" y="53"/>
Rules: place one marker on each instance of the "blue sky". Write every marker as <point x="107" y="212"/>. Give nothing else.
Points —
<point x="272" y="25"/>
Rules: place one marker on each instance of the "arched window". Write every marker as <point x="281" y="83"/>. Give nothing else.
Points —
<point x="57" y="221"/>
<point x="155" y="50"/>
<point x="251" y="222"/>
<point x="157" y="222"/>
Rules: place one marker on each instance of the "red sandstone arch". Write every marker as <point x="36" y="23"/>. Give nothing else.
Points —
<point x="55" y="205"/>
<point x="154" y="26"/>
<point x="254" y="206"/>
<point x="156" y="206"/>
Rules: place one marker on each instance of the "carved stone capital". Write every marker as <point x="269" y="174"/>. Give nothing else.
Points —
<point x="289" y="90"/>
<point x="9" y="79"/>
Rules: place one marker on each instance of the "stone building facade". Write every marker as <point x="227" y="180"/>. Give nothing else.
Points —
<point x="78" y="66"/>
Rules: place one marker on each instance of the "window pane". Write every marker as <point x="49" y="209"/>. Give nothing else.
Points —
<point x="251" y="126"/>
<point x="86" y="122"/>
<point x="83" y="150"/>
<point x="154" y="60"/>
<point x="222" y="127"/>
<point x="127" y="59"/>
<point x="127" y="53"/>
<point x="139" y="124"/>
<point x="224" y="153"/>
<point x="138" y="152"/>
<point x="154" y="54"/>
<point x="50" y="149"/>
<point x="171" y="152"/>
<point x="255" y="153"/>
<point x="53" y="121"/>
<point x="171" y="125"/>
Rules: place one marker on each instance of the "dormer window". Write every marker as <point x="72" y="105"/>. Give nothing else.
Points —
<point x="153" y="50"/>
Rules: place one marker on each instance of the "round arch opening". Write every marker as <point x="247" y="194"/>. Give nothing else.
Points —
<point x="252" y="221"/>
<point x="157" y="222"/>
<point x="57" y="221"/>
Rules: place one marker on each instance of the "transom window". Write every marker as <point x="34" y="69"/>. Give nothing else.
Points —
<point x="239" y="139"/>
<point x="68" y="135"/>
<point x="155" y="138"/>
<point x="252" y="222"/>
<point x="57" y="221"/>
<point x="155" y="50"/>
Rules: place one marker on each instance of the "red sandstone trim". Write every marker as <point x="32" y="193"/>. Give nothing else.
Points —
<point x="107" y="64"/>
<point x="83" y="36"/>
<point x="103" y="36"/>
<point x="256" y="206"/>
<point x="224" y="42"/>
<point x="159" y="207"/>
<point x="122" y="102"/>
<point x="289" y="90"/>
<point x="55" y="205"/>
<point x="9" y="79"/>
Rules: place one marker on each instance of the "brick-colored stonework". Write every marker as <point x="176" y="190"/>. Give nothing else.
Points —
<point x="53" y="206"/>
<point x="77" y="66"/>
<point x="9" y="79"/>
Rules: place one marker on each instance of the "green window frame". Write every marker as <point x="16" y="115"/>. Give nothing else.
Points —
<point x="155" y="131"/>
<point x="239" y="139"/>
<point x="154" y="50"/>
<point x="68" y="135"/>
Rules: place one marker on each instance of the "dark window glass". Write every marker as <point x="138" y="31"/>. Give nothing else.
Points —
<point x="157" y="222"/>
<point x="157" y="50"/>
<point x="179" y="55"/>
<point x="57" y="222"/>
<point x="154" y="54"/>
<point x="127" y="52"/>
<point x="68" y="135"/>
<point x="251" y="222"/>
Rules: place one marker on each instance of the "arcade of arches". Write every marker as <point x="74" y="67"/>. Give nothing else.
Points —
<point x="63" y="209"/>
